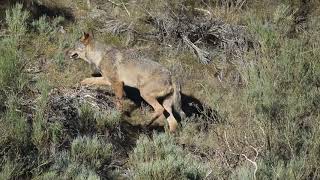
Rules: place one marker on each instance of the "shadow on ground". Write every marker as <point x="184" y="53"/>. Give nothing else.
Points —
<point x="192" y="106"/>
<point x="37" y="10"/>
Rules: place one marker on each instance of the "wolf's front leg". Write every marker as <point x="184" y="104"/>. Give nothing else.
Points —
<point x="95" y="81"/>
<point x="119" y="92"/>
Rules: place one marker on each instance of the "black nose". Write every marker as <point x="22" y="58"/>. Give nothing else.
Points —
<point x="75" y="55"/>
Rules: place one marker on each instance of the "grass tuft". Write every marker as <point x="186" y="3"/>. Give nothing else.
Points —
<point x="161" y="158"/>
<point x="90" y="151"/>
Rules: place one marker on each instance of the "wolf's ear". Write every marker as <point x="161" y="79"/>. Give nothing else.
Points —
<point x="85" y="38"/>
<point x="86" y="35"/>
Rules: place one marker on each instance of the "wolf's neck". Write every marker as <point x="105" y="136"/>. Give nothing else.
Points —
<point x="94" y="54"/>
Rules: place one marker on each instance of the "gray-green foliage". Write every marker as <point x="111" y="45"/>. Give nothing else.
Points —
<point x="66" y="168"/>
<point x="11" y="63"/>
<point x="281" y="96"/>
<point x="47" y="27"/>
<point x="16" y="19"/>
<point x="14" y="139"/>
<point x="7" y="170"/>
<point x="14" y="131"/>
<point x="81" y="172"/>
<point x="90" y="151"/>
<point x="161" y="158"/>
<point x="108" y="119"/>
<point x="283" y="87"/>
<point x="51" y="175"/>
<point x="9" y="67"/>
<point x="40" y="134"/>
<point x="87" y="155"/>
<point x="48" y="31"/>
<point x="89" y="117"/>
<point x="14" y="127"/>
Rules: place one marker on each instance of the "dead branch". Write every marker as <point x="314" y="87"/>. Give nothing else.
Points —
<point x="114" y="3"/>
<point x="204" y="11"/>
<point x="124" y="6"/>
<point x="204" y="36"/>
<point x="202" y="54"/>
<point x="252" y="161"/>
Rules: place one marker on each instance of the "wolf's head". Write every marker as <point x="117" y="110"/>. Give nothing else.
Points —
<point x="79" y="49"/>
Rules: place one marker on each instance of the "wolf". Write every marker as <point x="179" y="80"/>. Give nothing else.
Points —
<point x="127" y="67"/>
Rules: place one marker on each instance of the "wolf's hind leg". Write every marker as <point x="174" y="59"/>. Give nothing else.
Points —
<point x="167" y="104"/>
<point x="95" y="81"/>
<point x="158" y="109"/>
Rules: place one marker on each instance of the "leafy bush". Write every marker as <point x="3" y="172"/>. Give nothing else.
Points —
<point x="40" y="133"/>
<point x="109" y="119"/>
<point x="81" y="172"/>
<point x="7" y="170"/>
<point x="14" y="141"/>
<point x="65" y="168"/>
<point x="14" y="127"/>
<point x="51" y="175"/>
<point x="45" y="27"/>
<point x="9" y="68"/>
<point x="11" y="65"/>
<point x="283" y="88"/>
<point x="91" y="118"/>
<point x="90" y="151"/>
<point x="161" y="158"/>
<point x="16" y="20"/>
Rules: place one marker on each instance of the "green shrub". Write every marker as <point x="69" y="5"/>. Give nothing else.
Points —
<point x="65" y="168"/>
<point x="109" y="119"/>
<point x="12" y="168"/>
<point x="51" y="175"/>
<point x="90" y="151"/>
<point x="56" y="131"/>
<point x="81" y="172"/>
<point x="282" y="87"/>
<point x="10" y="74"/>
<point x="91" y="118"/>
<point x="87" y="118"/>
<point x="45" y="27"/>
<point x="40" y="134"/>
<point x="14" y="128"/>
<point x="242" y="173"/>
<point x="16" y="20"/>
<point x="7" y="170"/>
<point x="11" y="65"/>
<point x="161" y="158"/>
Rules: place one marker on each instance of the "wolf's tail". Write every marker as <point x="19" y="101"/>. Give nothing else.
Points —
<point x="177" y="99"/>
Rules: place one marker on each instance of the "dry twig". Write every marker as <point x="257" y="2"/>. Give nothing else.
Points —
<point x="253" y="161"/>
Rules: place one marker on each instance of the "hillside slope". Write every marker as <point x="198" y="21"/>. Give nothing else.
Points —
<point x="250" y="76"/>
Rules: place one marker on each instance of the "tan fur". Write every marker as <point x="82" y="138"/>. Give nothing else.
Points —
<point x="121" y="67"/>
